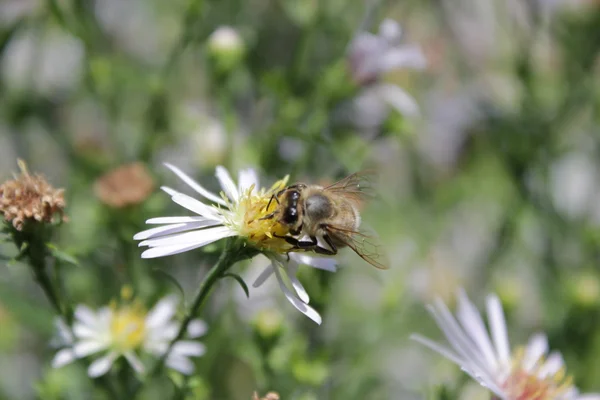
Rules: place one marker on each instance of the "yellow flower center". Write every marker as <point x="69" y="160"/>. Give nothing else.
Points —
<point x="128" y="327"/>
<point x="528" y="385"/>
<point x="252" y="219"/>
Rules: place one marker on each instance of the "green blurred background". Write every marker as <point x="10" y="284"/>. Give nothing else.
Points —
<point x="492" y="187"/>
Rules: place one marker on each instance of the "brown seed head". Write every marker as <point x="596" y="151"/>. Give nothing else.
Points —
<point x="124" y="186"/>
<point x="30" y="197"/>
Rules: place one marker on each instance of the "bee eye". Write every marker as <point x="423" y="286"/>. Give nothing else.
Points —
<point x="291" y="215"/>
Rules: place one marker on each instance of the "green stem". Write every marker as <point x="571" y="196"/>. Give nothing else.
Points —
<point x="37" y="254"/>
<point x="227" y="258"/>
<point x="38" y="265"/>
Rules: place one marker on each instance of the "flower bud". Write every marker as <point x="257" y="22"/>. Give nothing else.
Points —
<point x="226" y="48"/>
<point x="584" y="289"/>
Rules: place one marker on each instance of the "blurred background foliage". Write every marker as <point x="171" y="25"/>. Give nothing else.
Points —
<point x="492" y="187"/>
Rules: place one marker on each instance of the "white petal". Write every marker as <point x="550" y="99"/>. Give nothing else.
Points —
<point x="324" y="263"/>
<point x="135" y="362"/>
<point x="390" y="30"/>
<point x="552" y="365"/>
<point x="497" y="325"/>
<point x="459" y="339"/>
<point x="165" y="334"/>
<point x="197" y="328"/>
<point x="174" y="220"/>
<point x="403" y="57"/>
<point x="229" y="187"/>
<point x="291" y="271"/>
<point x="102" y="365"/>
<point x="264" y="275"/>
<point x="246" y="179"/>
<point x="195" y="185"/>
<point x="162" y="312"/>
<point x="440" y="349"/>
<point x="398" y="99"/>
<point x="86" y="315"/>
<point x="175" y="249"/>
<point x="104" y="319"/>
<point x="196" y="206"/>
<point x="174" y="228"/>
<point x="187" y="238"/>
<point x="181" y="364"/>
<point x="188" y="348"/>
<point x="63" y="331"/>
<point x="536" y="348"/>
<point x="474" y="326"/>
<point x="84" y="331"/>
<point x="63" y="357"/>
<point x="87" y="347"/>
<point x="169" y="191"/>
<point x="300" y="306"/>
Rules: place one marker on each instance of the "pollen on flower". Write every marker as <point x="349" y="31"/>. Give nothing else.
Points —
<point x="532" y="385"/>
<point x="262" y="232"/>
<point x="30" y="198"/>
<point x="128" y="328"/>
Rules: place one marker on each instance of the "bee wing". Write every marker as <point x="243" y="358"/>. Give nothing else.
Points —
<point x="365" y="245"/>
<point x="357" y="186"/>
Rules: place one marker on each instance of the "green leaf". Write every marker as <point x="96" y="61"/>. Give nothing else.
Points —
<point x="61" y="255"/>
<point x="239" y="280"/>
<point x="172" y="279"/>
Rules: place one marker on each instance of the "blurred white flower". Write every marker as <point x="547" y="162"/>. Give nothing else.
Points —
<point x="126" y="330"/>
<point x="12" y="10"/>
<point x="50" y="64"/>
<point x="226" y="46"/>
<point x="238" y="212"/>
<point x="527" y="374"/>
<point x="225" y="38"/>
<point x="573" y="184"/>
<point x="371" y="55"/>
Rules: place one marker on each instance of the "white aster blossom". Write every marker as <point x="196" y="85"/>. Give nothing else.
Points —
<point x="237" y="212"/>
<point x="371" y="55"/>
<point x="527" y="374"/>
<point x="128" y="330"/>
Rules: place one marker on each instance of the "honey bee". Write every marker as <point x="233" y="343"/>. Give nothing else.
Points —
<point x="325" y="219"/>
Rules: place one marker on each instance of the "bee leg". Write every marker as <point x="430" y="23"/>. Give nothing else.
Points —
<point x="321" y="250"/>
<point x="291" y="240"/>
<point x="269" y="216"/>
<point x="273" y="197"/>
<point x="330" y="243"/>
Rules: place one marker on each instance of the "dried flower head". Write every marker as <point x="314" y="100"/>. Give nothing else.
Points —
<point x="30" y="198"/>
<point x="127" y="185"/>
<point x="268" y="396"/>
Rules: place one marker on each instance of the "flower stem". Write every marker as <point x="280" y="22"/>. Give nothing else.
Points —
<point x="37" y="260"/>
<point x="227" y="258"/>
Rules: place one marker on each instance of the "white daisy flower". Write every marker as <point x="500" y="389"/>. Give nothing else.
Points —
<point x="237" y="212"/>
<point x="371" y="55"/>
<point x="128" y="330"/>
<point x="527" y="374"/>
